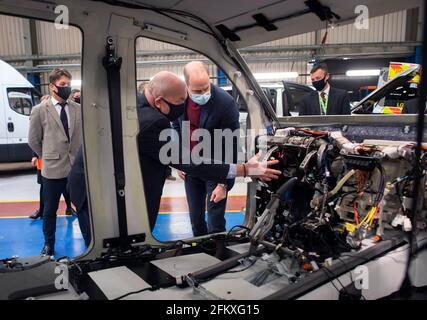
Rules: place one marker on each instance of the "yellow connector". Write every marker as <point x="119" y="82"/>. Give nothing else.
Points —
<point x="350" y="227"/>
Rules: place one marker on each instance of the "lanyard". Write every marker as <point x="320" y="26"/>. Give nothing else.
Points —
<point x="324" y="105"/>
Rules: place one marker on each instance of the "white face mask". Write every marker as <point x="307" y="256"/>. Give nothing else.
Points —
<point x="201" y="99"/>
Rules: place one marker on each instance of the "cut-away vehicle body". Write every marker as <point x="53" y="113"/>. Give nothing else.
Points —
<point x="336" y="215"/>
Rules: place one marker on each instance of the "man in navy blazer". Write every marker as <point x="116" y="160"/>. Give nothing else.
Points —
<point x="208" y="107"/>
<point x="326" y="100"/>
<point x="76" y="187"/>
<point x="161" y="103"/>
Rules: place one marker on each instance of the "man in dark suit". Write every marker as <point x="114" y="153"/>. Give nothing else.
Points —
<point x="77" y="189"/>
<point x="326" y="100"/>
<point x="207" y="107"/>
<point x="163" y="102"/>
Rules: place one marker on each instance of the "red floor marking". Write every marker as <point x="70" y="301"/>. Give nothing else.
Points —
<point x="23" y="209"/>
<point x="180" y="204"/>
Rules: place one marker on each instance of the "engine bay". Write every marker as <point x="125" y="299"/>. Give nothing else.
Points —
<point x="337" y="204"/>
<point x="335" y="193"/>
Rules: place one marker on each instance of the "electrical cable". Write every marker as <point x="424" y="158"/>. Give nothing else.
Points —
<point x="136" y="292"/>
<point x="370" y="217"/>
<point x="235" y="227"/>
<point x="243" y="269"/>
<point x="253" y="25"/>
<point x="331" y="280"/>
<point x="339" y="281"/>
<point x="341" y="183"/>
<point x="164" y="12"/>
<point x="351" y="275"/>
<point x="228" y="236"/>
<point x="356" y="213"/>
<point x="335" y="277"/>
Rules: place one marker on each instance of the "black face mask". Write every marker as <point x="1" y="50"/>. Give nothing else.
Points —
<point x="176" y="110"/>
<point x="319" y="84"/>
<point x="63" y="92"/>
<point x="77" y="100"/>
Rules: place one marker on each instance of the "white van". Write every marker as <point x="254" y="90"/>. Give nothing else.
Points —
<point x="17" y="97"/>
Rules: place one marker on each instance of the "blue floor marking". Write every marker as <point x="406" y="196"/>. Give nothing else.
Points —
<point x="23" y="237"/>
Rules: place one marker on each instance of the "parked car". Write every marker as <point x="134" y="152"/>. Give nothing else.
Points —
<point x="397" y="96"/>
<point x="285" y="97"/>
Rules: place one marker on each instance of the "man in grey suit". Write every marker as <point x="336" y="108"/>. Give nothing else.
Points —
<point x="55" y="135"/>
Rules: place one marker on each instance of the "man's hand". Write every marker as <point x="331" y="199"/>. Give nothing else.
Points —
<point x="181" y="174"/>
<point x="256" y="169"/>
<point x="34" y="161"/>
<point x="219" y="193"/>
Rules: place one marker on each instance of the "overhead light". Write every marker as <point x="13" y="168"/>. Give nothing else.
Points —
<point x="345" y="58"/>
<point x="76" y="83"/>
<point x="275" y="75"/>
<point x="363" y="73"/>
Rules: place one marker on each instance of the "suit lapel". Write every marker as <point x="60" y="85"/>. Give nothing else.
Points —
<point x="204" y="114"/>
<point x="331" y="102"/>
<point x="73" y="111"/>
<point x="316" y="104"/>
<point x="52" y="111"/>
<point x="206" y="109"/>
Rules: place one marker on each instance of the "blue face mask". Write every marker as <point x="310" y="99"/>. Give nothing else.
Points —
<point x="201" y="99"/>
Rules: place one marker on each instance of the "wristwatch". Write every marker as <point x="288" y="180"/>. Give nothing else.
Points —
<point x="223" y="185"/>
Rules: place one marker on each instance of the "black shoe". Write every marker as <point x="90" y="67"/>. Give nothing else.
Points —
<point x="37" y="214"/>
<point x="70" y="212"/>
<point x="47" y="250"/>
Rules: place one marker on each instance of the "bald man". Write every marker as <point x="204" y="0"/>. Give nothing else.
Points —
<point x="162" y="102"/>
<point x="208" y="107"/>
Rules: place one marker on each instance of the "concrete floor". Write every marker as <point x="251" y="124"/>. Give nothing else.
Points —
<point x="22" y="186"/>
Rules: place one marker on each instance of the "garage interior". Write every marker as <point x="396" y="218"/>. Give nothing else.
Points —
<point x="35" y="47"/>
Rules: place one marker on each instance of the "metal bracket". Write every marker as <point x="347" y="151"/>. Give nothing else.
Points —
<point x="115" y="242"/>
<point x="304" y="164"/>
<point x="200" y="290"/>
<point x="165" y="32"/>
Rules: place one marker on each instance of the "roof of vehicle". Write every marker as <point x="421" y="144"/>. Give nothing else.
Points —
<point x="295" y="84"/>
<point x="284" y="18"/>
<point x="10" y="77"/>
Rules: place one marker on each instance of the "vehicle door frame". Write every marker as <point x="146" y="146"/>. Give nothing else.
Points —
<point x="4" y="147"/>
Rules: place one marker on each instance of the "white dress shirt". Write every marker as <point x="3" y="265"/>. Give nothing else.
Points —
<point x="58" y="109"/>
